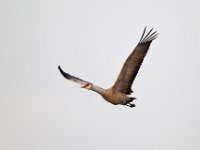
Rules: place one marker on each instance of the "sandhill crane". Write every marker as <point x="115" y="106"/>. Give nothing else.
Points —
<point x="120" y="91"/>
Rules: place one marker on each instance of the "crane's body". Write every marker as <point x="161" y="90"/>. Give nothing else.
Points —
<point x="113" y="96"/>
<point x="120" y="91"/>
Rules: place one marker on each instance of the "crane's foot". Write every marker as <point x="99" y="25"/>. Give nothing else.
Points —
<point x="130" y="105"/>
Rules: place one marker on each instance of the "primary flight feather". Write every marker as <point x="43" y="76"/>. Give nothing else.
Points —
<point x="118" y="93"/>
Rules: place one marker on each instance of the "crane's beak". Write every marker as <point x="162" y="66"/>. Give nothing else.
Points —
<point x="84" y="86"/>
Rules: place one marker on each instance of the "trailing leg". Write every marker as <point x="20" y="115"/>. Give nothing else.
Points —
<point x="130" y="105"/>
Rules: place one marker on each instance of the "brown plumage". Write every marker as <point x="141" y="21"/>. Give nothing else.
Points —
<point x="118" y="93"/>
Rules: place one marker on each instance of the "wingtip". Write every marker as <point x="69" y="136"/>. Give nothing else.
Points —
<point x="66" y="75"/>
<point x="149" y="37"/>
<point x="60" y="69"/>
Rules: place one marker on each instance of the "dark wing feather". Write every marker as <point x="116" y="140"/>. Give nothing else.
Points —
<point x="133" y="63"/>
<point x="72" y="78"/>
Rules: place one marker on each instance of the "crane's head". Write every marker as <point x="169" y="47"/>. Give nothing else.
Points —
<point x="87" y="86"/>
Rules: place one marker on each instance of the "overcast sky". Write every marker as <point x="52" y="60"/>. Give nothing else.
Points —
<point x="40" y="110"/>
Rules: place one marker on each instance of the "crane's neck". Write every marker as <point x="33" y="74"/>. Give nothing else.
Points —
<point x="97" y="89"/>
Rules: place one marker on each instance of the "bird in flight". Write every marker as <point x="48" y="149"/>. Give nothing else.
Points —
<point x="120" y="92"/>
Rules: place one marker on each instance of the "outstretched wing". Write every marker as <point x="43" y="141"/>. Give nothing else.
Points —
<point x="72" y="78"/>
<point x="133" y="63"/>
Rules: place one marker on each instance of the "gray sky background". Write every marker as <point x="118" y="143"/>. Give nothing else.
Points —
<point x="40" y="110"/>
